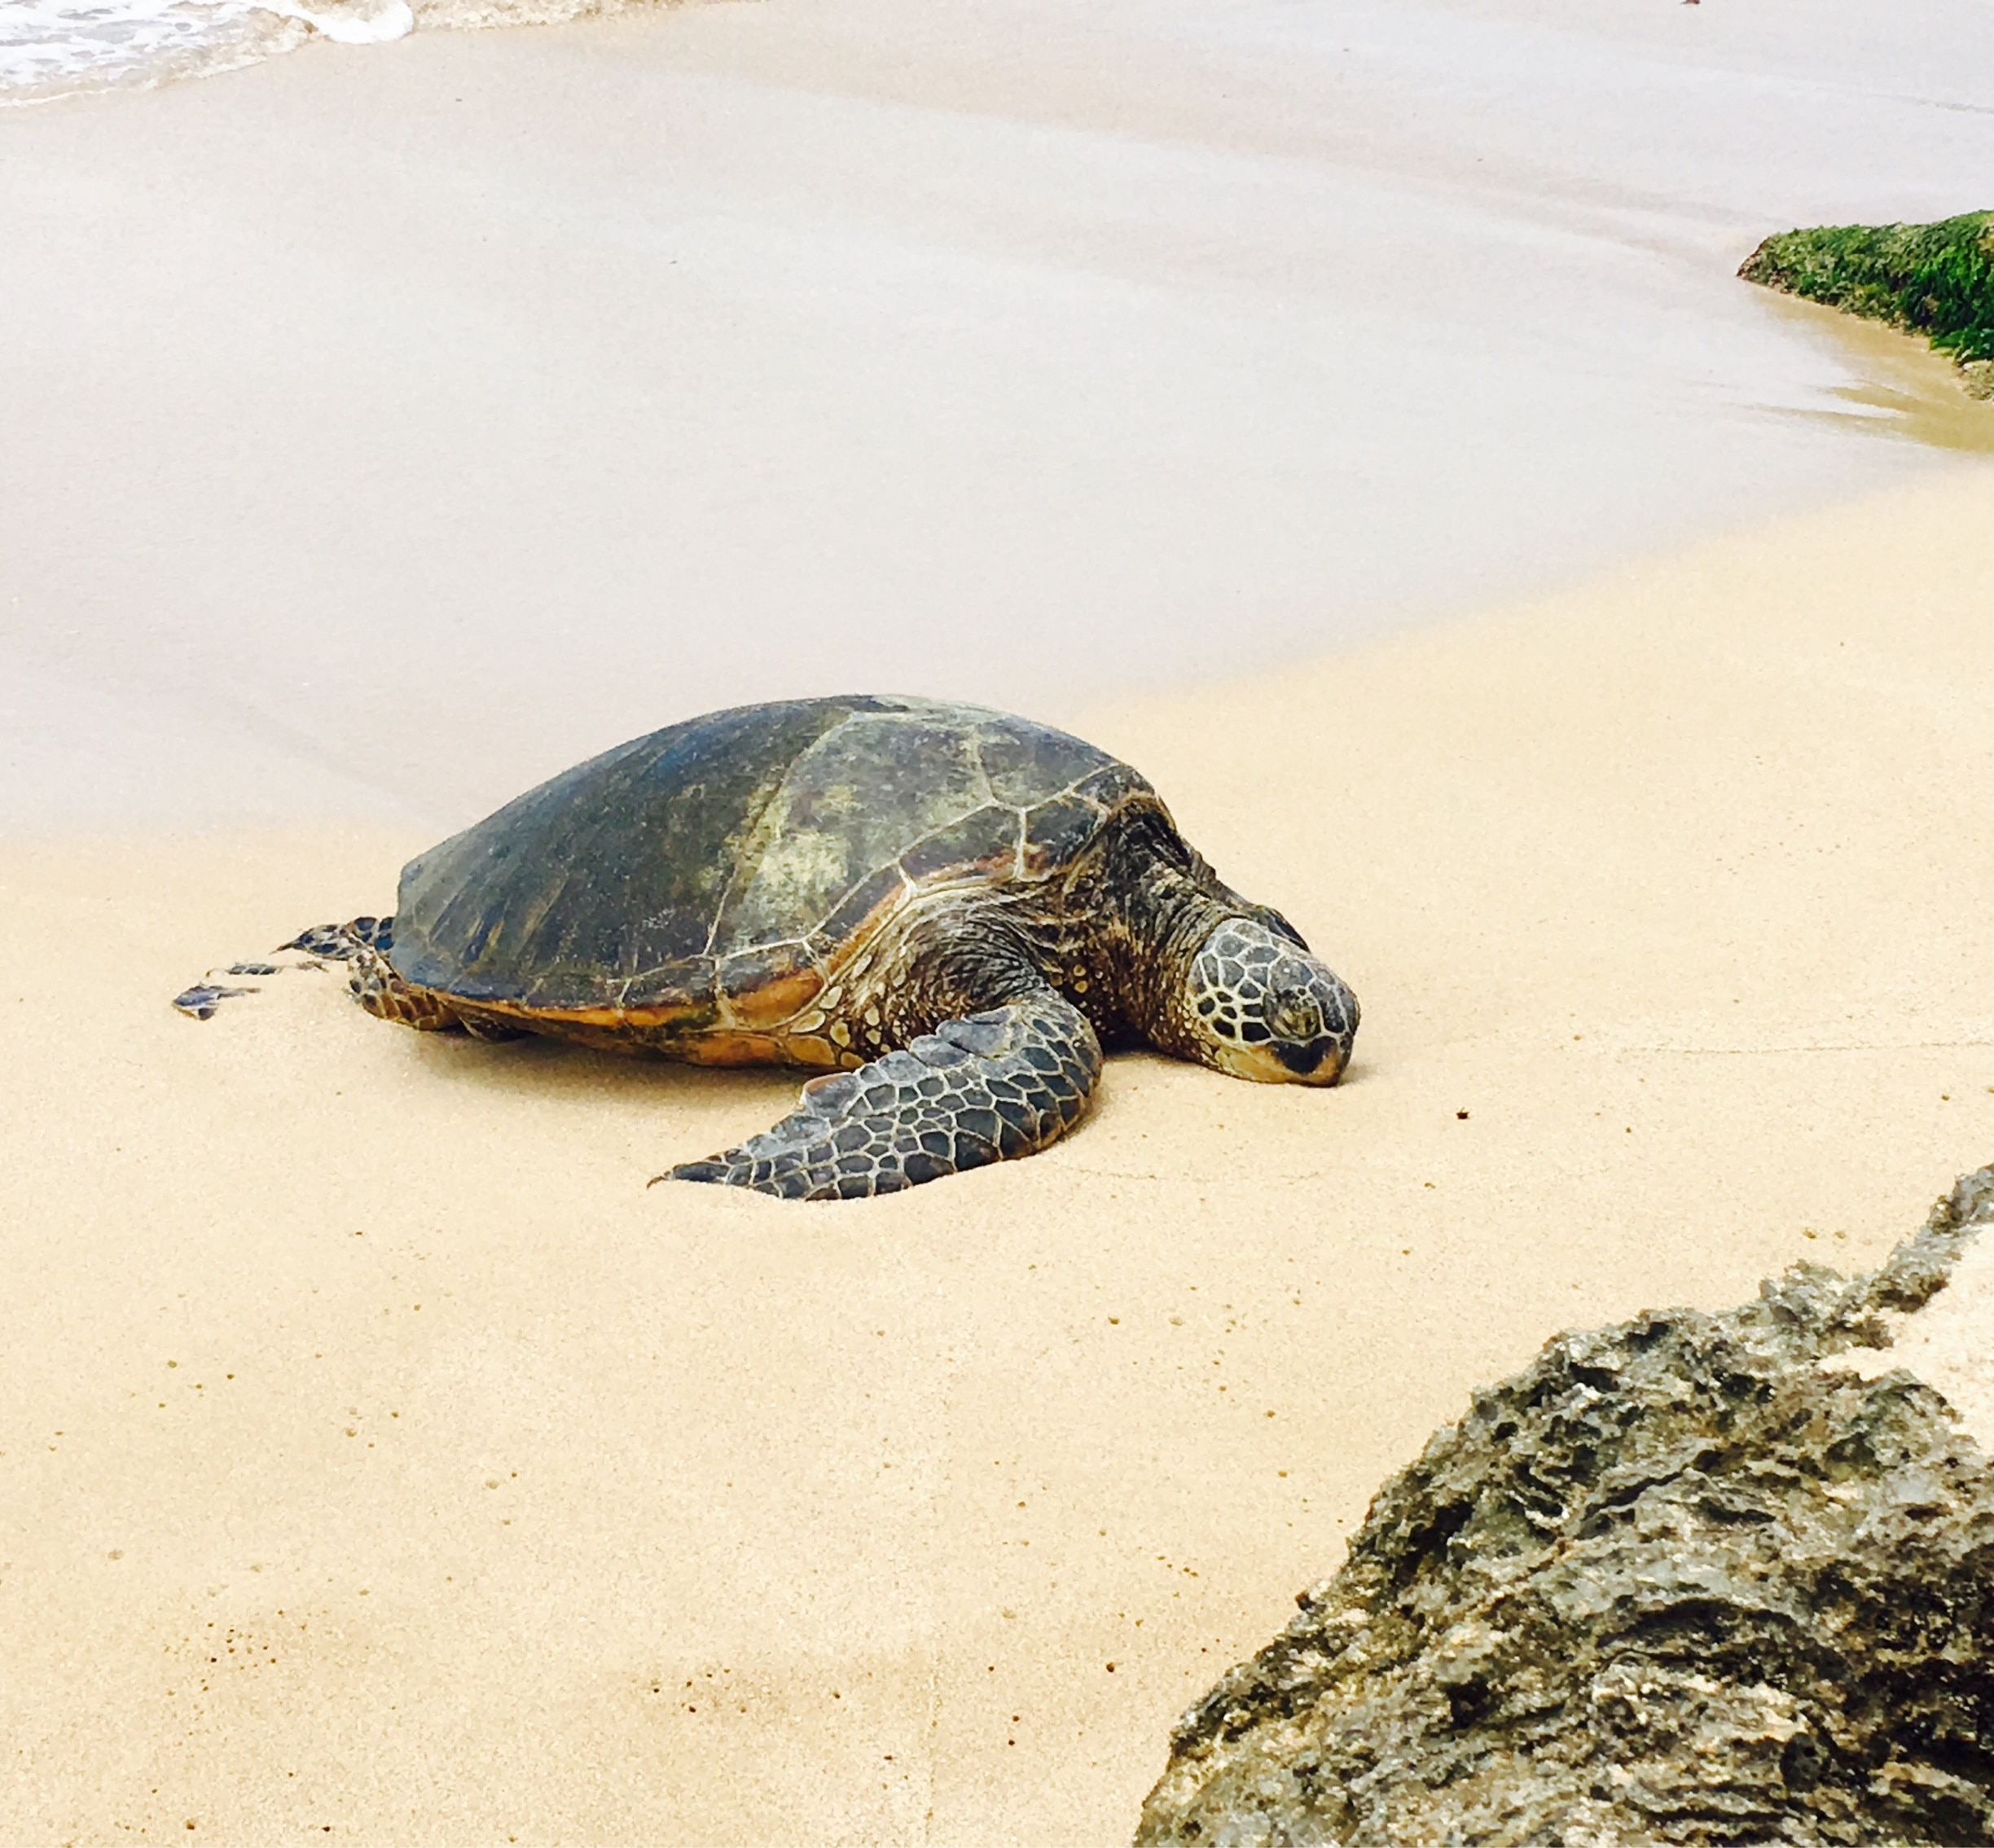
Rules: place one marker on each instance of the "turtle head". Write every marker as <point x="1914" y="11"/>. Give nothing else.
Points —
<point x="1259" y="1006"/>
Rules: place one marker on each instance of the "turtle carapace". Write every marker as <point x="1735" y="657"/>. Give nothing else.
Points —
<point x="947" y="912"/>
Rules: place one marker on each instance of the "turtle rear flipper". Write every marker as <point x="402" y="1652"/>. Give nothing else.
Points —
<point x="365" y="942"/>
<point x="343" y="942"/>
<point x="1008" y="1081"/>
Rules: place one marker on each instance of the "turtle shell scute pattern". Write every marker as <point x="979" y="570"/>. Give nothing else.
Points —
<point x="985" y="844"/>
<point x="694" y="876"/>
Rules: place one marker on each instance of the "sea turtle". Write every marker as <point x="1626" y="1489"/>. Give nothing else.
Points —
<point x="948" y="911"/>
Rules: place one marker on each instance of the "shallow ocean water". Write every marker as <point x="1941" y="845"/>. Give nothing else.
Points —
<point x="53" y="49"/>
<point x="50" y="49"/>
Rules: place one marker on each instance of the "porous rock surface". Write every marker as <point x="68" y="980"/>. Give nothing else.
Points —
<point x="1683" y="1580"/>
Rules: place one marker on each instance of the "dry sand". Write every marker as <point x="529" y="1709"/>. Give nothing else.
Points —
<point x="382" y="1458"/>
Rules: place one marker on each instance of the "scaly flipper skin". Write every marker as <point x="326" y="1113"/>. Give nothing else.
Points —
<point x="385" y="996"/>
<point x="342" y="942"/>
<point x="1009" y="1081"/>
<point x="364" y="943"/>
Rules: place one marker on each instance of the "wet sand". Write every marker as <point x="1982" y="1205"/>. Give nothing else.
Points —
<point x="392" y="425"/>
<point x="383" y="1457"/>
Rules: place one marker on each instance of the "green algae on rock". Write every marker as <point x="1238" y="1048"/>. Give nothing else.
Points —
<point x="1678" y="1581"/>
<point x="1936" y="279"/>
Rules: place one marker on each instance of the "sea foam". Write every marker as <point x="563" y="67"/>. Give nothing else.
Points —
<point x="50" y="49"/>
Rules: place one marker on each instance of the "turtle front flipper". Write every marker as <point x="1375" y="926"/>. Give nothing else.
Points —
<point x="1006" y="1081"/>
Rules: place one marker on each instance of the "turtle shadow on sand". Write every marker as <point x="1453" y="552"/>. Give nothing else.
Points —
<point x="563" y="1071"/>
<point x="947" y="915"/>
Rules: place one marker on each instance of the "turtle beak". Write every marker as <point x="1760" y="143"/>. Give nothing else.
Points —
<point x="1317" y="1061"/>
<point x="1330" y="1009"/>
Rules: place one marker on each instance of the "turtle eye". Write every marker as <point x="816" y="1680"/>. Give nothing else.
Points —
<point x="1295" y="1014"/>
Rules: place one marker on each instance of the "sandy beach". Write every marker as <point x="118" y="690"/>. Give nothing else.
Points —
<point x="380" y="1459"/>
<point x="383" y="1455"/>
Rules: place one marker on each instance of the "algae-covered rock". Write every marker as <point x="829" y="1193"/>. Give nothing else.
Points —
<point x="1937" y="280"/>
<point x="1680" y="1581"/>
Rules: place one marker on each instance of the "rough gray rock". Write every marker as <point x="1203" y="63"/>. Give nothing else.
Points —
<point x="1677" y="1581"/>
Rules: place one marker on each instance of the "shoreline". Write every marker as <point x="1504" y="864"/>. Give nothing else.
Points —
<point x="443" y="408"/>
